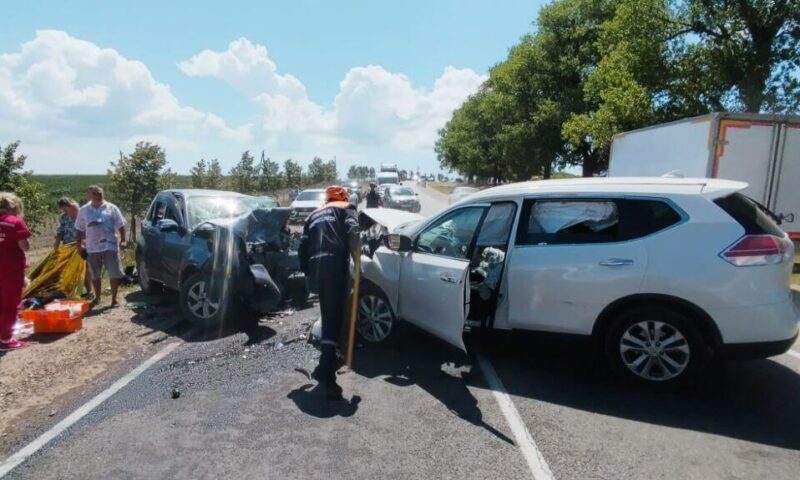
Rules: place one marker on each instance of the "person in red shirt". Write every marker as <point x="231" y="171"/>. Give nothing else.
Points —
<point x="14" y="236"/>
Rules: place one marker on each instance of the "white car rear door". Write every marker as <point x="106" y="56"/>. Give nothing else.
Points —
<point x="569" y="263"/>
<point x="433" y="277"/>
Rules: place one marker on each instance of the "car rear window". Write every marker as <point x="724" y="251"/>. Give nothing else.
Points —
<point x="306" y="196"/>
<point x="576" y="221"/>
<point x="645" y="217"/>
<point x="755" y="218"/>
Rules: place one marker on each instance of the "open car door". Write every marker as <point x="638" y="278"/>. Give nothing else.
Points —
<point x="433" y="276"/>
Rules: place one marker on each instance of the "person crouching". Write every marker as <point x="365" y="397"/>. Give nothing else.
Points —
<point x="330" y="238"/>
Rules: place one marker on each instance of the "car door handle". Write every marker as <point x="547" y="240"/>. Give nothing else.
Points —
<point x="616" y="262"/>
<point x="448" y="279"/>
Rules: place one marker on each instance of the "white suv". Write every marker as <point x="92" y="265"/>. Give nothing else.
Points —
<point x="664" y="272"/>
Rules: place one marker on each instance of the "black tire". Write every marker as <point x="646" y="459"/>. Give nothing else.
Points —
<point x="148" y="285"/>
<point x="297" y="291"/>
<point x="205" y="302"/>
<point x="376" y="320"/>
<point x="656" y="346"/>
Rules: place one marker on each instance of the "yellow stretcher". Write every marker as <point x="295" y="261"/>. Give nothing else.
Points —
<point x="61" y="271"/>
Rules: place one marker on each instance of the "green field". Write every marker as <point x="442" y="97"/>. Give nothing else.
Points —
<point x="74" y="186"/>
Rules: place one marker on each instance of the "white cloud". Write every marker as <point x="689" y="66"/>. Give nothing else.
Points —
<point x="373" y="106"/>
<point x="58" y="86"/>
<point x="247" y="67"/>
<point x="74" y="104"/>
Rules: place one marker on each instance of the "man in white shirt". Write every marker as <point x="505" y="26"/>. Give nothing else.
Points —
<point x="98" y="223"/>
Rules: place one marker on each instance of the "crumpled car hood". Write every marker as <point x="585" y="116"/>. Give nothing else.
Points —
<point x="256" y="226"/>
<point x="391" y="218"/>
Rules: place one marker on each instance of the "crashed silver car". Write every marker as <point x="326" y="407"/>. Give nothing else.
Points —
<point x="219" y="249"/>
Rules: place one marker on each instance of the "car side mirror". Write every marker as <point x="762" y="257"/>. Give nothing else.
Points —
<point x="399" y="243"/>
<point x="168" y="225"/>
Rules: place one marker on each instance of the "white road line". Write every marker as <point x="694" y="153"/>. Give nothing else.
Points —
<point x="14" y="460"/>
<point x="794" y="354"/>
<point x="525" y="442"/>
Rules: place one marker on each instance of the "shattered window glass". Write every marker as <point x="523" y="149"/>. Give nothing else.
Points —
<point x="451" y="235"/>
<point x="203" y="209"/>
<point x="572" y="221"/>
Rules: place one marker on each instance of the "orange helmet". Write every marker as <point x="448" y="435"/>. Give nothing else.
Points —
<point x="335" y="193"/>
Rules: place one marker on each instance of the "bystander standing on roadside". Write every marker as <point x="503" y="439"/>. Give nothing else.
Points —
<point x="14" y="236"/>
<point x="374" y="199"/>
<point x="66" y="233"/>
<point x="98" y="223"/>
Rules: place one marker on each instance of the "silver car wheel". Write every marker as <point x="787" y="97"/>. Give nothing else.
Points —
<point x="654" y="351"/>
<point x="374" y="318"/>
<point x="199" y="302"/>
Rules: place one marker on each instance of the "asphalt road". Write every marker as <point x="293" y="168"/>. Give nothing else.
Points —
<point x="418" y="409"/>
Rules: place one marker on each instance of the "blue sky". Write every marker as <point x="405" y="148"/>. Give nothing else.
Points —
<point x="367" y="81"/>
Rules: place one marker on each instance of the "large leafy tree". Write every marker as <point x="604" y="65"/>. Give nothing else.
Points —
<point x="664" y="60"/>
<point x="595" y="68"/>
<point x="137" y="177"/>
<point x="749" y="47"/>
<point x="512" y="129"/>
<point x="13" y="178"/>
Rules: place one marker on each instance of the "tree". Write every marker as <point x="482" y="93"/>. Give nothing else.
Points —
<point x="595" y="68"/>
<point x="242" y="175"/>
<point x="213" y="178"/>
<point x="293" y="172"/>
<point x="371" y="172"/>
<point x="269" y="175"/>
<point x="14" y="179"/>
<point x="198" y="174"/>
<point x="352" y="172"/>
<point x="137" y="178"/>
<point x="751" y="46"/>
<point x="512" y="128"/>
<point x="331" y="172"/>
<point x="317" y="171"/>
<point x="663" y="60"/>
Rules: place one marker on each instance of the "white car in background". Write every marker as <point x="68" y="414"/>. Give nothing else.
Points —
<point x="664" y="273"/>
<point x="459" y="193"/>
<point x="306" y="202"/>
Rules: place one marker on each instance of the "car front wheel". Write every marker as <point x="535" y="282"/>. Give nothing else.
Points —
<point x="205" y="300"/>
<point x="655" y="346"/>
<point x="375" y="317"/>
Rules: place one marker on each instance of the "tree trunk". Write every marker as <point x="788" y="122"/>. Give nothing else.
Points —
<point x="589" y="164"/>
<point x="132" y="233"/>
<point x="548" y="170"/>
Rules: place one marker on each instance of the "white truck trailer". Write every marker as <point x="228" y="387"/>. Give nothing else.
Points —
<point x="762" y="150"/>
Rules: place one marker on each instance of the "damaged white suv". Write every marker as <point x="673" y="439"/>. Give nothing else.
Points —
<point x="665" y="273"/>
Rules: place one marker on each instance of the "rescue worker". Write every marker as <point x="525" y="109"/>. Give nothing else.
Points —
<point x="330" y="237"/>
<point x="374" y="199"/>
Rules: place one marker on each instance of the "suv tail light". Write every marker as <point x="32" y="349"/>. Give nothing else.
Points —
<point x="752" y="250"/>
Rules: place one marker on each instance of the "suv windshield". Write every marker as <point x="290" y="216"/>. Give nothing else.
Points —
<point x="203" y="209"/>
<point x="402" y="191"/>
<point x="311" y="196"/>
